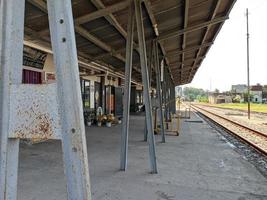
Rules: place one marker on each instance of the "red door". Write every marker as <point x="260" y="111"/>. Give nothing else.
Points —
<point x="31" y="77"/>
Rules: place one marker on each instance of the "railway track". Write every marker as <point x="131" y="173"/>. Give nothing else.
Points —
<point x="253" y="137"/>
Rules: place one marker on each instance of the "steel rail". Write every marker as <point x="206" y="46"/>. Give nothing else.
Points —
<point x="235" y="133"/>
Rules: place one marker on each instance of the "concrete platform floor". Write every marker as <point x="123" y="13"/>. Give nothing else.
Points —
<point x="197" y="165"/>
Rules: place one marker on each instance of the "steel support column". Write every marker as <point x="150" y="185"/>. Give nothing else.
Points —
<point x="69" y="96"/>
<point x="169" y="94"/>
<point x="173" y="98"/>
<point x="159" y="94"/>
<point x="145" y="131"/>
<point x="150" y="61"/>
<point x="164" y="89"/>
<point x="11" y="48"/>
<point x="145" y="78"/>
<point x="165" y="84"/>
<point x="127" y="88"/>
<point x="102" y="83"/>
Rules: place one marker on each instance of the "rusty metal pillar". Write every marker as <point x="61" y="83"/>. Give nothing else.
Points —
<point x="11" y="48"/>
<point x="145" y="78"/>
<point x="69" y="95"/>
<point x="33" y="111"/>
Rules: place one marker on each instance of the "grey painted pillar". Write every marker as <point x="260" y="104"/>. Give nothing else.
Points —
<point x="102" y="83"/>
<point x="168" y="94"/>
<point x="173" y="98"/>
<point x="145" y="131"/>
<point x="11" y="51"/>
<point x="164" y="90"/>
<point x="150" y="61"/>
<point x="145" y="78"/>
<point x="159" y="95"/>
<point x="69" y="96"/>
<point x="127" y="89"/>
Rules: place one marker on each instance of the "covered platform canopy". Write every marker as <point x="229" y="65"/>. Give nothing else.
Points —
<point x="185" y="31"/>
<point x="164" y="45"/>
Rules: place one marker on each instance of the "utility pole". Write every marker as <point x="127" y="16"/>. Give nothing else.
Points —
<point x="248" y="65"/>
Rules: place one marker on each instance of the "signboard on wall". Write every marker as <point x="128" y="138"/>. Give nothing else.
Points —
<point x="33" y="57"/>
<point x="50" y="77"/>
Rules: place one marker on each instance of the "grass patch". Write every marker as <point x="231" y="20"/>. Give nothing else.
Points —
<point x="243" y="106"/>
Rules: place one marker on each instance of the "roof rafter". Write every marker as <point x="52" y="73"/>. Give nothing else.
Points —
<point x="83" y="32"/>
<point x="113" y="21"/>
<point x="155" y="28"/>
<point x="206" y="32"/>
<point x="187" y="60"/>
<point x="110" y="17"/>
<point x="186" y="11"/>
<point x="35" y="40"/>
<point x="102" y="12"/>
<point x="189" y="49"/>
<point x="91" y="16"/>
<point x="176" y="33"/>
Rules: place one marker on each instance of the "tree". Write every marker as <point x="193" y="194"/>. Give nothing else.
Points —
<point x="217" y="90"/>
<point x="192" y="94"/>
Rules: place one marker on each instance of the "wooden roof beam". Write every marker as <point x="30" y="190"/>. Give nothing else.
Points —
<point x="187" y="60"/>
<point x="194" y="48"/>
<point x="34" y="40"/>
<point x="102" y="12"/>
<point x="185" y="69"/>
<point x="110" y="17"/>
<point x="88" y="17"/>
<point x="176" y="33"/>
<point x="113" y="21"/>
<point x="39" y="4"/>
<point x="186" y="11"/>
<point x="206" y="32"/>
<point x="155" y="28"/>
<point x="83" y="32"/>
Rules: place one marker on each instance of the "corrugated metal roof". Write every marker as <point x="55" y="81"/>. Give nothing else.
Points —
<point x="187" y="29"/>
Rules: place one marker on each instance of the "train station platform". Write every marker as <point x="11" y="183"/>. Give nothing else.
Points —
<point x="197" y="165"/>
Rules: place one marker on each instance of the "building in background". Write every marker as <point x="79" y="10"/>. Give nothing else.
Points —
<point x="239" y="88"/>
<point x="256" y="93"/>
<point x="239" y="91"/>
<point x="216" y="98"/>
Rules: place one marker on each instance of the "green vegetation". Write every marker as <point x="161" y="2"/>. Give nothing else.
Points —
<point x="192" y="94"/>
<point x="203" y="99"/>
<point x="244" y="106"/>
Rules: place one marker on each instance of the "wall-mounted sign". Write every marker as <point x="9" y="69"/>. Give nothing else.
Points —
<point x="33" y="57"/>
<point x="50" y="77"/>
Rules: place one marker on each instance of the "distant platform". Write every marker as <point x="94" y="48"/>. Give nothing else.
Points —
<point x="197" y="165"/>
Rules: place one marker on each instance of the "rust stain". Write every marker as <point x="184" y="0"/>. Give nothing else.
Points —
<point x="39" y="128"/>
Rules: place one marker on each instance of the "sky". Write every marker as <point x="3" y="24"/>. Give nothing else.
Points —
<point x="225" y="63"/>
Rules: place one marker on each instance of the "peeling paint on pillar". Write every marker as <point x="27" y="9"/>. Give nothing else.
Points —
<point x="34" y="112"/>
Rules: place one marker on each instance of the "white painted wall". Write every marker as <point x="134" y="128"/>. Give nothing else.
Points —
<point x="257" y="96"/>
